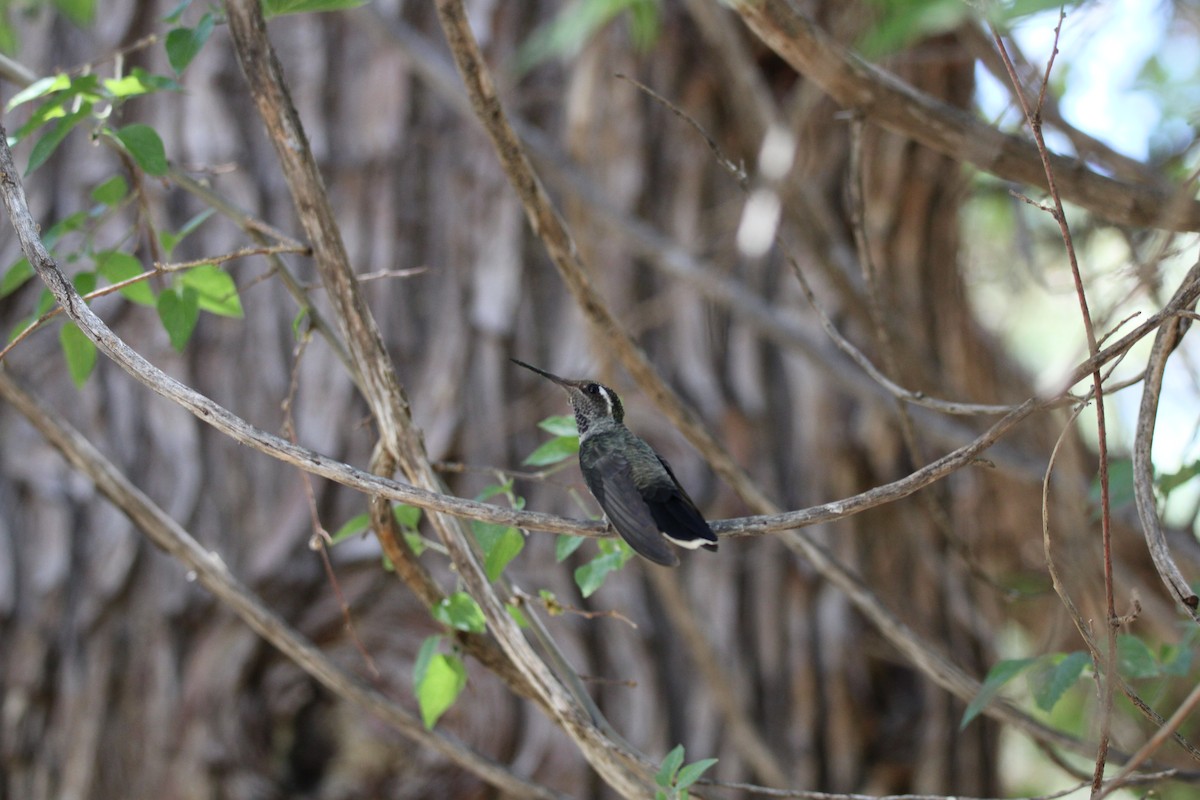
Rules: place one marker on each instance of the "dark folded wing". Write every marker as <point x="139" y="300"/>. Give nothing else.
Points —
<point x="676" y="515"/>
<point x="611" y="482"/>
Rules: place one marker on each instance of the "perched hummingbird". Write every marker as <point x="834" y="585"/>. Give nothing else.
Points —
<point x="633" y="484"/>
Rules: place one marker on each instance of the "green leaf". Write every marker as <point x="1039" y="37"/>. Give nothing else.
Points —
<point x="576" y="23"/>
<point x="517" y="614"/>
<point x="45" y="146"/>
<point x="461" y="612"/>
<point x="424" y="656"/>
<point x="178" y="309"/>
<point x="1176" y="660"/>
<point x="670" y="766"/>
<point x="500" y="545"/>
<point x="1170" y="481"/>
<point x="591" y="576"/>
<point x="184" y="43"/>
<point x="899" y="25"/>
<point x="355" y="525"/>
<point x="692" y="772"/>
<point x="408" y="516"/>
<point x="170" y="240"/>
<point x="147" y="149"/>
<point x="84" y="282"/>
<point x="22" y="326"/>
<point x="45" y="303"/>
<point x="15" y="277"/>
<point x="79" y="12"/>
<point x="215" y="290"/>
<point x="130" y="85"/>
<point x="1053" y="674"/>
<point x="116" y="266"/>
<point x="444" y="679"/>
<point x="557" y="449"/>
<point x="39" y="88"/>
<point x="79" y="351"/>
<point x="276" y="8"/>
<point x="563" y="425"/>
<point x="566" y="545"/>
<point x="1135" y="659"/>
<point x="112" y="191"/>
<point x="1001" y="673"/>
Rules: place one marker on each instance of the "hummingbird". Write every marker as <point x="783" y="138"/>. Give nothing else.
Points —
<point x="634" y="485"/>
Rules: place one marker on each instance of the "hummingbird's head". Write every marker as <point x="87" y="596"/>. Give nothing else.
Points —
<point x="591" y="401"/>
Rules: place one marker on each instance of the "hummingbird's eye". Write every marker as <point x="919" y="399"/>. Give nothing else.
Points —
<point x="592" y="388"/>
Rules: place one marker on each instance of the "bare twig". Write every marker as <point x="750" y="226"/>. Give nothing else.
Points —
<point x="1034" y="118"/>
<point x="1172" y="577"/>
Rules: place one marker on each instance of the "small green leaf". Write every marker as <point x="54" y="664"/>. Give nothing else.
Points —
<point x="127" y="86"/>
<point x="1176" y="660"/>
<point x="276" y="8"/>
<point x="557" y="449"/>
<point x="424" y="656"/>
<point x="591" y="576"/>
<point x="22" y="326"/>
<point x="408" y="516"/>
<point x="692" y="772"/>
<point x="1053" y="674"/>
<point x="414" y="541"/>
<point x="39" y="88"/>
<point x="1135" y="659"/>
<point x="79" y="351"/>
<point x="79" y="12"/>
<point x="45" y="146"/>
<point x="500" y="545"/>
<point x="461" y="612"/>
<point x="145" y="146"/>
<point x="1170" y="481"/>
<point x="444" y="679"/>
<point x="45" y="303"/>
<point x="351" y="527"/>
<point x="517" y="614"/>
<point x="112" y="191"/>
<point x="215" y="290"/>
<point x="183" y="44"/>
<point x="15" y="277"/>
<point x="670" y="766"/>
<point x="559" y="426"/>
<point x="170" y="239"/>
<point x="178" y="309"/>
<point x="116" y="266"/>
<point x="566" y="545"/>
<point x="1001" y="673"/>
<point x="84" y="282"/>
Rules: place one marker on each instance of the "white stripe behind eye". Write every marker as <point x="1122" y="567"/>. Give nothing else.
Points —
<point x="607" y="397"/>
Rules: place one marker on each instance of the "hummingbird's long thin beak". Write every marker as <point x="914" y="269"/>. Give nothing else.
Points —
<point x="560" y="381"/>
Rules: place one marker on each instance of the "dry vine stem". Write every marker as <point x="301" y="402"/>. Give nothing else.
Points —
<point x="1165" y="342"/>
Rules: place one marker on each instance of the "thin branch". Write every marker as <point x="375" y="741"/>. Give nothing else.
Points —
<point x="1034" y="118"/>
<point x="159" y="269"/>
<point x="1165" y="342"/>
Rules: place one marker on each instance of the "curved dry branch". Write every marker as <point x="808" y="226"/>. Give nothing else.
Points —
<point x="1165" y="342"/>
<point x="898" y="107"/>
<point x="627" y="772"/>
<point x="212" y="574"/>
